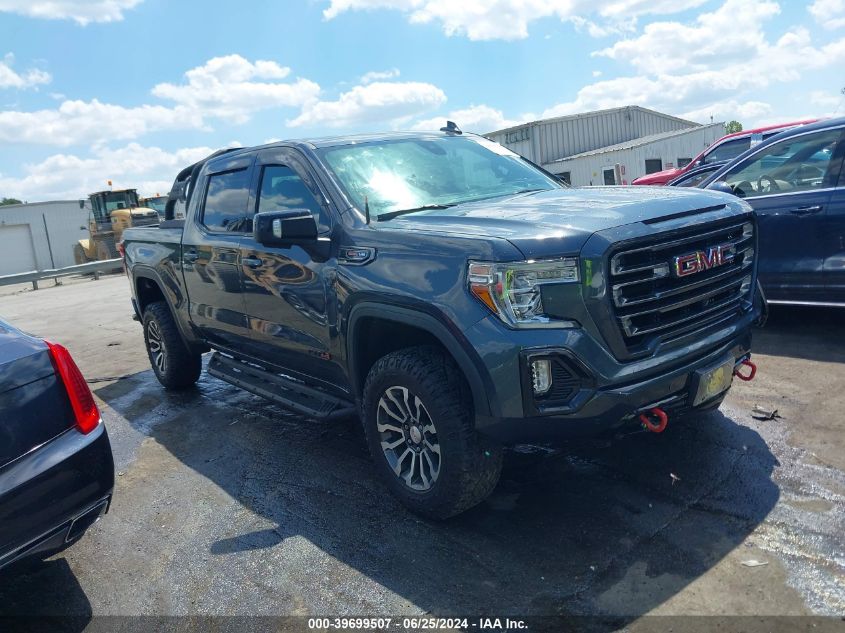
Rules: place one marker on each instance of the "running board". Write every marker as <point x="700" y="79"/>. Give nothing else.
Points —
<point x="285" y="392"/>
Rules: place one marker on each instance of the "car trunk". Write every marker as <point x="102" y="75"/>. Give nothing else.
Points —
<point x="34" y="407"/>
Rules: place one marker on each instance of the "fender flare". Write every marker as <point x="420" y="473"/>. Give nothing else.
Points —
<point x="171" y="296"/>
<point x="450" y="337"/>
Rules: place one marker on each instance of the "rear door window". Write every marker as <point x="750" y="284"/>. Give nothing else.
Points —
<point x="226" y="199"/>
<point x="727" y="150"/>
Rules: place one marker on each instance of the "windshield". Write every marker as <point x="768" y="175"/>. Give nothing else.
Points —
<point x="391" y="176"/>
<point x="157" y="204"/>
<point x="120" y="200"/>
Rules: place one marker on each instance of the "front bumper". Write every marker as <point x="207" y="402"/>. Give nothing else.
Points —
<point x="611" y="394"/>
<point x="49" y="497"/>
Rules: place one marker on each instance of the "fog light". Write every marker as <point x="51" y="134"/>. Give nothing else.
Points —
<point x="541" y="376"/>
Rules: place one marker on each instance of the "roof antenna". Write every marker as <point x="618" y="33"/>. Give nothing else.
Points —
<point x="451" y="128"/>
<point x="367" y="208"/>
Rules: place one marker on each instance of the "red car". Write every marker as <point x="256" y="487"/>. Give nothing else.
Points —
<point x="726" y="148"/>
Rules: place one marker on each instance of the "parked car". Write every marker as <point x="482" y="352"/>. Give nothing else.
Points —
<point x="795" y="183"/>
<point x="56" y="467"/>
<point x="449" y="292"/>
<point x="725" y="149"/>
<point x="694" y="177"/>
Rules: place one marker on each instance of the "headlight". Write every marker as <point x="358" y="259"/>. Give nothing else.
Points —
<point x="512" y="290"/>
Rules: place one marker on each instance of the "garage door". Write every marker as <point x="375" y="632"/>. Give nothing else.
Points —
<point x="16" y="254"/>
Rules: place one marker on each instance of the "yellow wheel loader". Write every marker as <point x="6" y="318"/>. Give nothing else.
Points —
<point x="112" y="212"/>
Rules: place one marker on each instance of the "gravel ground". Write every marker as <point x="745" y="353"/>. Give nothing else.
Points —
<point x="227" y="505"/>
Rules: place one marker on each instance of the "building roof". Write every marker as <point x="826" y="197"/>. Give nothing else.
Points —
<point x="583" y="115"/>
<point x="638" y="142"/>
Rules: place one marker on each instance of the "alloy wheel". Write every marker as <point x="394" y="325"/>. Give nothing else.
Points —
<point x="408" y="438"/>
<point x="156" y="345"/>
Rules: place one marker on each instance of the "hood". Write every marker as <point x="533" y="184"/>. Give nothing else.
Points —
<point x="557" y="222"/>
<point x="658" y="177"/>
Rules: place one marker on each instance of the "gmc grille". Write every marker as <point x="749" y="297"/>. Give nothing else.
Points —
<point x="654" y="295"/>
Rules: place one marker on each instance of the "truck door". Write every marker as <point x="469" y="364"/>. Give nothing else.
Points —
<point x="834" y="263"/>
<point x="210" y="248"/>
<point x="289" y="290"/>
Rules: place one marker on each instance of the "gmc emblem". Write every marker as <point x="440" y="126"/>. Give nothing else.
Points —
<point x="700" y="261"/>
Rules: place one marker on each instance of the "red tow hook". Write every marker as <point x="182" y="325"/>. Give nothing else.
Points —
<point x="750" y="375"/>
<point x="662" y="420"/>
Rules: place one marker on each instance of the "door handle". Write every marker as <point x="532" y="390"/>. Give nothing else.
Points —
<point x="815" y="208"/>
<point x="252" y="262"/>
<point x="190" y="257"/>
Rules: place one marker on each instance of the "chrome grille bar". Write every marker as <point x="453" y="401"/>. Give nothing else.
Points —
<point x="651" y="300"/>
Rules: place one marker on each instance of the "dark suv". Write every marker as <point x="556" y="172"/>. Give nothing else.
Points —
<point x="452" y="294"/>
<point x="796" y="184"/>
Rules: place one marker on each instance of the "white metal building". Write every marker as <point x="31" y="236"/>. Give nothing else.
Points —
<point x="620" y="164"/>
<point x="562" y="144"/>
<point x="40" y="235"/>
<point x="550" y="139"/>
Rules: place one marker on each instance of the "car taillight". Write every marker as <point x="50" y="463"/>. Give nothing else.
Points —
<point x="121" y="249"/>
<point x="81" y="399"/>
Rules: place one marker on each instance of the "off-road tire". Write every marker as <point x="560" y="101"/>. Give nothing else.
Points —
<point x="181" y="367"/>
<point x="469" y="463"/>
<point x="79" y="256"/>
<point x="104" y="251"/>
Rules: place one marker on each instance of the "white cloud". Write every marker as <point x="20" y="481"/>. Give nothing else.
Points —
<point x="509" y="19"/>
<point x="9" y="78"/>
<point x="226" y="87"/>
<point x="81" y="11"/>
<point x="829" y="13"/>
<point x="67" y="176"/>
<point x="480" y="119"/>
<point x="379" y="75"/>
<point x="708" y="67"/>
<point x="390" y="103"/>
<point x="76" y="122"/>
<point x="734" y="31"/>
<point x="730" y="110"/>
<point x="230" y="88"/>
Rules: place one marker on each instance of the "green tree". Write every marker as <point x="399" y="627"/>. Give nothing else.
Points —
<point x="5" y="201"/>
<point x="733" y="127"/>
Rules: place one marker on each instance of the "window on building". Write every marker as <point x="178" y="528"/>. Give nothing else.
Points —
<point x="224" y="208"/>
<point x="653" y="165"/>
<point x="683" y="162"/>
<point x="566" y="177"/>
<point x="609" y="177"/>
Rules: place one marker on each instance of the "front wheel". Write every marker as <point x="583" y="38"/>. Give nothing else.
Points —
<point x="420" y="429"/>
<point x="79" y="256"/>
<point x="174" y="364"/>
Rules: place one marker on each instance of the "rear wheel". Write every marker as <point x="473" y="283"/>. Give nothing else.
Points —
<point x="174" y="364"/>
<point x="420" y="430"/>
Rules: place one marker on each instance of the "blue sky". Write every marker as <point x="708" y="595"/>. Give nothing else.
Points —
<point x="133" y="90"/>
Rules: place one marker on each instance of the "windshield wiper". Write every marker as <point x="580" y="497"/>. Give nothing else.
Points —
<point x="516" y="193"/>
<point x="395" y="214"/>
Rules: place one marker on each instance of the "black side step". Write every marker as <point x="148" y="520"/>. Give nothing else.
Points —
<point x="285" y="392"/>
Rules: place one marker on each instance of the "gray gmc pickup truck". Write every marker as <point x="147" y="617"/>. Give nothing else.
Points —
<point x="449" y="293"/>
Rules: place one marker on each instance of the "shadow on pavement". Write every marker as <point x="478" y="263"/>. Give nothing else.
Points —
<point x="609" y="528"/>
<point x="47" y="588"/>
<point x="810" y="333"/>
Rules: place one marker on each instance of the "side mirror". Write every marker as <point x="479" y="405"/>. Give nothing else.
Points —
<point x="82" y="204"/>
<point x="281" y="228"/>
<point x="721" y="185"/>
